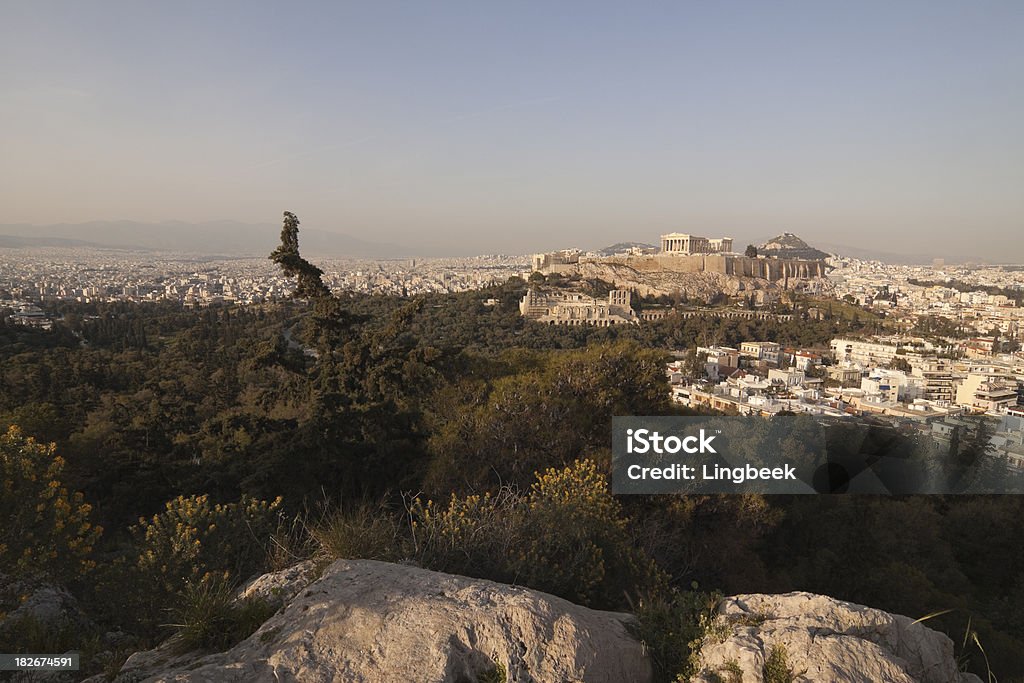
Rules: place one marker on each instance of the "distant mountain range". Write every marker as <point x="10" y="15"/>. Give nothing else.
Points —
<point x="227" y="238"/>
<point x="17" y="242"/>
<point x="789" y="244"/>
<point x="868" y="254"/>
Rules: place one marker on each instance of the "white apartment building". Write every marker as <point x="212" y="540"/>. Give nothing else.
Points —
<point x="938" y="381"/>
<point x="788" y="378"/>
<point x="986" y="393"/>
<point x="761" y="350"/>
<point x="863" y="352"/>
<point x="725" y="356"/>
<point x="892" y="386"/>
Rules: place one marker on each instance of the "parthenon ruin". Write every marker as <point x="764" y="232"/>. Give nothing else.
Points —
<point x="686" y="244"/>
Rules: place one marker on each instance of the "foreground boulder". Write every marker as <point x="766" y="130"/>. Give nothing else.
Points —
<point x="367" y="621"/>
<point x="363" y="621"/>
<point x="818" y="638"/>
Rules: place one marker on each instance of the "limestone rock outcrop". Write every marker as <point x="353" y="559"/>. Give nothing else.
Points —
<point x="366" y="621"/>
<point x="363" y="621"/>
<point x="824" y="639"/>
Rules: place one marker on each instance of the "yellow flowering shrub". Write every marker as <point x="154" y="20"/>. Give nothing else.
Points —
<point x="45" y="532"/>
<point x="193" y="537"/>
<point x="474" y="535"/>
<point x="577" y="542"/>
<point x="567" y="536"/>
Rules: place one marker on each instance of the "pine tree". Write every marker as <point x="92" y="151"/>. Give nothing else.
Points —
<point x="310" y="284"/>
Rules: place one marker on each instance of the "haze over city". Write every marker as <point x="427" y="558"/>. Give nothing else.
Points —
<point x="466" y="128"/>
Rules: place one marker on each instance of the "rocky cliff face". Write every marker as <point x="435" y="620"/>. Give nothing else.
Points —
<point x="702" y="285"/>
<point x="371" y="621"/>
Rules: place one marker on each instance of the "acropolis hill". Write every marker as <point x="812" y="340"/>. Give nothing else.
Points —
<point x="698" y="267"/>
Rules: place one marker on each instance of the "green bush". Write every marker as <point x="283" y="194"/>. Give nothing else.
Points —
<point x="672" y="627"/>
<point x="495" y="674"/>
<point x="776" y="666"/>
<point x="291" y="543"/>
<point x="568" y="537"/>
<point x="209" y="617"/>
<point x="365" y="532"/>
<point x="46" y="533"/>
<point x="577" y="542"/>
<point x="474" y="536"/>
<point x="538" y="416"/>
<point x="193" y="538"/>
<point x="730" y="673"/>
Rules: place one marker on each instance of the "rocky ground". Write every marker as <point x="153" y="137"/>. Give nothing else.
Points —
<point x="824" y="639"/>
<point x="372" y="622"/>
<point x="368" y="622"/>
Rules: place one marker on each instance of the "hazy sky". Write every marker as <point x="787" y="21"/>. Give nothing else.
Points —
<point x="521" y="126"/>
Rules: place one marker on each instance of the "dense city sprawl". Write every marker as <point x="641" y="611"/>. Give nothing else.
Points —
<point x="30" y="278"/>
